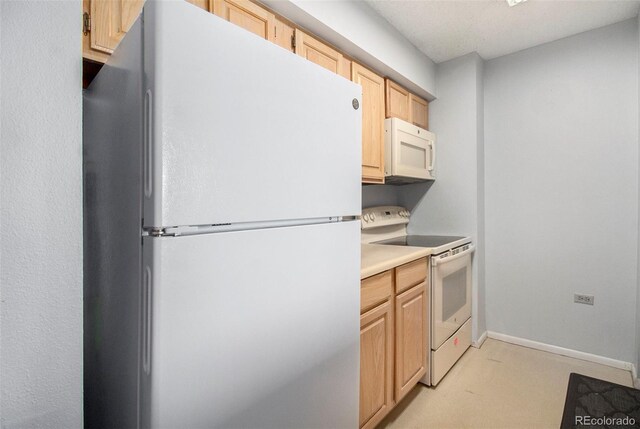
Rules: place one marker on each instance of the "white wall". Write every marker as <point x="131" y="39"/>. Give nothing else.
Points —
<point x="561" y="191"/>
<point x="637" y="342"/>
<point x="379" y="195"/>
<point x="41" y="214"/>
<point x="480" y="255"/>
<point x="358" y="30"/>
<point x="449" y="205"/>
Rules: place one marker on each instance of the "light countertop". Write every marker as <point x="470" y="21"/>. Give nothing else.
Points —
<point x="376" y="258"/>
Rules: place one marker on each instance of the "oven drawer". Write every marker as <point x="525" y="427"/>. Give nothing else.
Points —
<point x="449" y="352"/>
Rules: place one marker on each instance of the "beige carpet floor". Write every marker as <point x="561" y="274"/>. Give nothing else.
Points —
<point x="500" y="385"/>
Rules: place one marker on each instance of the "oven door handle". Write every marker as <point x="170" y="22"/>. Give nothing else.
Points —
<point x="436" y="261"/>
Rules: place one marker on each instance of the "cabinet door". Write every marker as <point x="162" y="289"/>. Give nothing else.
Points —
<point x="372" y="123"/>
<point x="247" y="15"/>
<point x="202" y="4"/>
<point x="345" y="71"/>
<point x="376" y="364"/>
<point x="411" y="338"/>
<point x="283" y="35"/>
<point x="396" y="101"/>
<point x="110" y="20"/>
<point x="317" y="52"/>
<point x="419" y="113"/>
<point x="87" y="51"/>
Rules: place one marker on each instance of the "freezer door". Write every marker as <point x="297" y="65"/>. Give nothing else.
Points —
<point x="234" y="121"/>
<point x="252" y="329"/>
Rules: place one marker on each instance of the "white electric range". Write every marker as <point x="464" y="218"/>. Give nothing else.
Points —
<point x="450" y="283"/>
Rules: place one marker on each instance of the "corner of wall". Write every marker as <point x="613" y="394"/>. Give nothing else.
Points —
<point x="480" y="245"/>
<point x="637" y="336"/>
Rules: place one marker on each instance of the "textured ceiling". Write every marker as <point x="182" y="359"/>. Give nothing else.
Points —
<point x="448" y="29"/>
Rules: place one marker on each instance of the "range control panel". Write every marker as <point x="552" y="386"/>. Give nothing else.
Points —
<point x="374" y="217"/>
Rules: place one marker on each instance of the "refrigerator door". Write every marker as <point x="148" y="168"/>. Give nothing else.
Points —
<point x="252" y="329"/>
<point x="235" y="121"/>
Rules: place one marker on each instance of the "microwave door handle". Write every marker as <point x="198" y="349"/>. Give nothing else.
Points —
<point x="432" y="147"/>
<point x="436" y="261"/>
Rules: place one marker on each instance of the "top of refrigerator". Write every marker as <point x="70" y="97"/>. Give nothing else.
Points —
<point x="233" y="128"/>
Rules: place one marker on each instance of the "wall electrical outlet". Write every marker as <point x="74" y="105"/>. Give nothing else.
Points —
<point x="583" y="299"/>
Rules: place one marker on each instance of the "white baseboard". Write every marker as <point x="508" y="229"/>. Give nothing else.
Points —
<point x="634" y="375"/>
<point x="562" y="351"/>
<point x="478" y="344"/>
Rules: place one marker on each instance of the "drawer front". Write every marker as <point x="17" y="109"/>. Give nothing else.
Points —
<point x="449" y="352"/>
<point x="411" y="274"/>
<point x="375" y="290"/>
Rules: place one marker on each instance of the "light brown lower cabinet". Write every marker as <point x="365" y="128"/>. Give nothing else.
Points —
<point x="411" y="339"/>
<point x="376" y="364"/>
<point x="393" y="338"/>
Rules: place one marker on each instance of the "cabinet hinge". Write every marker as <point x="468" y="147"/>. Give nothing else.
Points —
<point x="86" y="23"/>
<point x="293" y="42"/>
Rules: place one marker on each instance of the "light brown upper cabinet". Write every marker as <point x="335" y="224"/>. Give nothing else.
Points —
<point x="396" y="101"/>
<point x="320" y="53"/>
<point x="346" y="68"/>
<point x="400" y="103"/>
<point x="419" y="111"/>
<point x="202" y="4"/>
<point x="107" y="21"/>
<point x="372" y="122"/>
<point x="284" y="34"/>
<point x="247" y="15"/>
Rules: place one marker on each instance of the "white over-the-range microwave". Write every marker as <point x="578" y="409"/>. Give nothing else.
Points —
<point x="410" y="152"/>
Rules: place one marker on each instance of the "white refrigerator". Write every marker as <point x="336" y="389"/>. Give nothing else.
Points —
<point x="222" y="254"/>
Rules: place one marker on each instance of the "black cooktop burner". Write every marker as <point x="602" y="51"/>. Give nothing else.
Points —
<point x="421" y="240"/>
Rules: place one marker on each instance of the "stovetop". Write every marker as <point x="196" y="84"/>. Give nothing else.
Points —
<point x="421" y="240"/>
<point x="388" y="225"/>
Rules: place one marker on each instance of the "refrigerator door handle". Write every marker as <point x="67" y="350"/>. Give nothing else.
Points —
<point x="146" y="321"/>
<point x="148" y="145"/>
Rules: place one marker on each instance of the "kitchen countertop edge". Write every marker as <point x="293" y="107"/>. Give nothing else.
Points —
<point x="376" y="258"/>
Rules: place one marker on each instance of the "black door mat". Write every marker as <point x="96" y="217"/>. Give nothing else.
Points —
<point x="593" y="403"/>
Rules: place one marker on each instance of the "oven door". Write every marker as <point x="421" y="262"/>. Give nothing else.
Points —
<point x="451" y="292"/>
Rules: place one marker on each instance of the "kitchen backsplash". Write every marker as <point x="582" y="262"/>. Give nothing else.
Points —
<point x="388" y="195"/>
<point x="379" y="195"/>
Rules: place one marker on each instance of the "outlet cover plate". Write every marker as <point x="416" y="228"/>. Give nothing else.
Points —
<point x="583" y="299"/>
